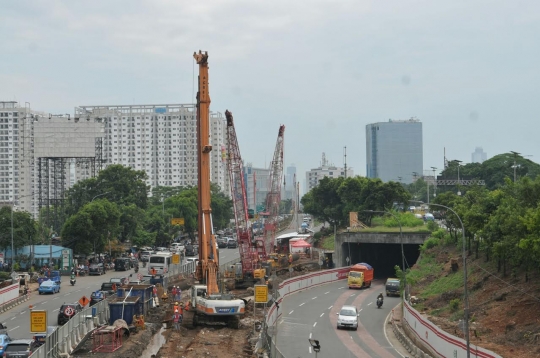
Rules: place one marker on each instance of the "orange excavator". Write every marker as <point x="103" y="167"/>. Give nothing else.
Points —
<point x="207" y="305"/>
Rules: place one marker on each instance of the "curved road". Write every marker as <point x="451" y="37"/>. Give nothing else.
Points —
<point x="313" y="314"/>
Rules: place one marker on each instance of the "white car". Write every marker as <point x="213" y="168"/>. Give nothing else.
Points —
<point x="347" y="318"/>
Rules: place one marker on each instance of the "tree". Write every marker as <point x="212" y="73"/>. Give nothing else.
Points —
<point x="91" y="227"/>
<point x="24" y="228"/>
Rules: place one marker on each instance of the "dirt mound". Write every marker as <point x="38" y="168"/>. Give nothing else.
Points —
<point x="503" y="310"/>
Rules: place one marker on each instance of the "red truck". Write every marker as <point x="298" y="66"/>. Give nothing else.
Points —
<point x="360" y="276"/>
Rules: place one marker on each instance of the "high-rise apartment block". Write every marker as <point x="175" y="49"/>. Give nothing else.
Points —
<point x="42" y="155"/>
<point x="394" y="150"/>
<point x="159" y="139"/>
<point x="289" y="178"/>
<point x="325" y="170"/>
<point x="478" y="156"/>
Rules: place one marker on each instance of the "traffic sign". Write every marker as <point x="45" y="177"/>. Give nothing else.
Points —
<point x="69" y="311"/>
<point x="175" y="259"/>
<point x="261" y="293"/>
<point x="84" y="301"/>
<point x="177" y="221"/>
<point x="38" y="321"/>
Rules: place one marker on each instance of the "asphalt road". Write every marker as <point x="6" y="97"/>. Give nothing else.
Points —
<point x="313" y="314"/>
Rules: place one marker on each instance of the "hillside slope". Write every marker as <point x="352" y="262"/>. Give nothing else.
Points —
<point x="503" y="310"/>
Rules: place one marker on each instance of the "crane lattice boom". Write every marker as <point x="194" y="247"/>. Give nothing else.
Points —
<point x="251" y="251"/>
<point x="273" y="198"/>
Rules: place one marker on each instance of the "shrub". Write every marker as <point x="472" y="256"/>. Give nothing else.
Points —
<point x="16" y="266"/>
<point x="454" y="304"/>
<point x="429" y="243"/>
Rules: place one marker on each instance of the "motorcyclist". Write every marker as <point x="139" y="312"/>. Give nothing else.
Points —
<point x="72" y="278"/>
<point x="380" y="297"/>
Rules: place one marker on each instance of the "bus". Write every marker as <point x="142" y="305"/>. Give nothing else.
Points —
<point x="160" y="261"/>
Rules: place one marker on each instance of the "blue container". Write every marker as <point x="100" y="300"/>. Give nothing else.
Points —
<point x="144" y="292"/>
<point x="125" y="309"/>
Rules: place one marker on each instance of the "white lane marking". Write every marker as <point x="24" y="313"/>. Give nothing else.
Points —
<point x="352" y="294"/>
<point x="58" y="309"/>
<point x="55" y="298"/>
<point x="330" y="307"/>
<point x="291" y="312"/>
<point x="310" y="335"/>
<point x="327" y="292"/>
<point x="314" y="297"/>
<point x="302" y="304"/>
<point x="14" y="328"/>
<point x="360" y="310"/>
<point x="314" y="324"/>
<point x="66" y="294"/>
<point x="309" y="348"/>
<point x="322" y="314"/>
<point x="43" y="302"/>
<point x="341" y="288"/>
<point x="12" y="318"/>
<point x="78" y="291"/>
<point x="23" y="312"/>
<point x="369" y="303"/>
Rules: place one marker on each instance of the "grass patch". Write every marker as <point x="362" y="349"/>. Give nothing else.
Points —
<point x="328" y="243"/>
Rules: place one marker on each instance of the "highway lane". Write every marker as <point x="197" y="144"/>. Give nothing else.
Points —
<point x="312" y="314"/>
<point x="18" y="318"/>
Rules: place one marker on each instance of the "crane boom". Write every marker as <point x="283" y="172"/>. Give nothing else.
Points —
<point x="273" y="198"/>
<point x="251" y="251"/>
<point x="208" y="266"/>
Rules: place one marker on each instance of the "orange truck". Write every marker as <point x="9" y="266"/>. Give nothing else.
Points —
<point x="360" y="276"/>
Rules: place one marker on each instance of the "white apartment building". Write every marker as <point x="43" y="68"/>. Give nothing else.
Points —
<point x="325" y="170"/>
<point x="159" y="139"/>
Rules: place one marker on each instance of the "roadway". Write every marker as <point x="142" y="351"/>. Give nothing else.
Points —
<point x="18" y="318"/>
<point x="313" y="314"/>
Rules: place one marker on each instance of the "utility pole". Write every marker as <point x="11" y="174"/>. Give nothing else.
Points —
<point x="434" y="182"/>
<point x="345" y="161"/>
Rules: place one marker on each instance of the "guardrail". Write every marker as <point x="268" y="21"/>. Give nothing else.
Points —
<point x="66" y="338"/>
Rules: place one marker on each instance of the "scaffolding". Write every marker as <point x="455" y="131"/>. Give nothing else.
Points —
<point x="107" y="339"/>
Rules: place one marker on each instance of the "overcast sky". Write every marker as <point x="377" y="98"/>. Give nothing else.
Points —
<point x="467" y="69"/>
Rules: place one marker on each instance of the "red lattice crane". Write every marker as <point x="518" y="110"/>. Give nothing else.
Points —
<point x="273" y="198"/>
<point x="252" y="251"/>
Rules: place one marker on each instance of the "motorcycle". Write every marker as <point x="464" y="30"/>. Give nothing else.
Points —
<point x="144" y="264"/>
<point x="379" y="302"/>
<point x="136" y="268"/>
<point x="72" y="281"/>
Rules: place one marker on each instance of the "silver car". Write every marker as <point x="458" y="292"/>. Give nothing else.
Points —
<point x="347" y="318"/>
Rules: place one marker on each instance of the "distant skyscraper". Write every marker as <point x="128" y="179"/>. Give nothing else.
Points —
<point x="288" y="188"/>
<point x="394" y="150"/>
<point x="325" y="170"/>
<point x="478" y="156"/>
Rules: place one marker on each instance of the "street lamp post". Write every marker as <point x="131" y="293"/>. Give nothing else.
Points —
<point x="458" y="180"/>
<point x="402" y="250"/>
<point x="465" y="291"/>
<point x="434" y="182"/>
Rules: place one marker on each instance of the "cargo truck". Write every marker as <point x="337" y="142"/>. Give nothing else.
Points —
<point x="360" y="276"/>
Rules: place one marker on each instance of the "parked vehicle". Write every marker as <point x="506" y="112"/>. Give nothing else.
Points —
<point x="232" y="244"/>
<point x="19" y="348"/>
<point x="48" y="287"/>
<point x="96" y="269"/>
<point x="360" y="276"/>
<point x="392" y="287"/>
<point x="4" y="341"/>
<point x="347" y="318"/>
<point x="97" y="296"/>
<point x="122" y="264"/>
<point x="67" y="311"/>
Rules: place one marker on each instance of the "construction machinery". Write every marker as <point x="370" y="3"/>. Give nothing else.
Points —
<point x="252" y="251"/>
<point x="207" y="305"/>
<point x="273" y="198"/>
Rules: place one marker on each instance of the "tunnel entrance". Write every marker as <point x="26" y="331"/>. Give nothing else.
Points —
<point x="383" y="257"/>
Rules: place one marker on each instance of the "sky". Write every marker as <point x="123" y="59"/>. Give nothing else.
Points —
<point x="468" y="70"/>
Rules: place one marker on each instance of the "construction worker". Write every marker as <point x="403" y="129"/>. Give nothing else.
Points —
<point x="173" y="292"/>
<point x="178" y="296"/>
<point x="153" y="271"/>
<point x="177" y="320"/>
<point x="176" y="307"/>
